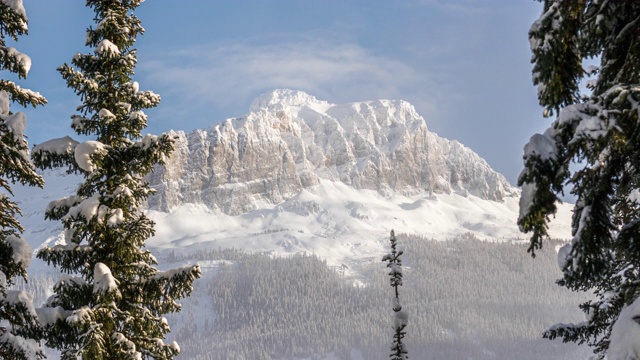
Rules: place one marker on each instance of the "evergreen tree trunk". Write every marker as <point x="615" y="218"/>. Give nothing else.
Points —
<point x="111" y="304"/>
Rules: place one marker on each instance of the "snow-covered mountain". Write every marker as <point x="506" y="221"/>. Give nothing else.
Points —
<point x="291" y="141"/>
<point x="302" y="175"/>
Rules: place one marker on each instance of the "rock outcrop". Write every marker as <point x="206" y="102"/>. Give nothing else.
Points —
<point x="290" y="140"/>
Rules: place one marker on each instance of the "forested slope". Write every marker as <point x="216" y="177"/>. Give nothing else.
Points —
<point x="467" y="299"/>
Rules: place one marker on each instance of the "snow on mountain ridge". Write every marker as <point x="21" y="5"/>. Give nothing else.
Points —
<point x="290" y="141"/>
<point x="277" y="99"/>
<point x="312" y="177"/>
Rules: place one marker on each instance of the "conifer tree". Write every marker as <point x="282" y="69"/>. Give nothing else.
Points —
<point x="592" y="147"/>
<point x="20" y="327"/>
<point x="398" y="349"/>
<point x="111" y="304"/>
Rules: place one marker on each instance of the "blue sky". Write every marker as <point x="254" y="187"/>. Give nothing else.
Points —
<point x="464" y="64"/>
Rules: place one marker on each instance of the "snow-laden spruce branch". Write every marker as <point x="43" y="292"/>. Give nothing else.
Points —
<point x="592" y="149"/>
<point x="19" y="338"/>
<point x="112" y="302"/>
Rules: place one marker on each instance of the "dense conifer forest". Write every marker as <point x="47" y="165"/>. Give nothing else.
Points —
<point x="466" y="299"/>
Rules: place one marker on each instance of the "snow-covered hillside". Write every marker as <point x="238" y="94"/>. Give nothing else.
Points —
<point x="341" y="224"/>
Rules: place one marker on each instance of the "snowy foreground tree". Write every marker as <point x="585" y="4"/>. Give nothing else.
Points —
<point x="593" y="146"/>
<point x="111" y="304"/>
<point x="19" y="324"/>
<point x="398" y="349"/>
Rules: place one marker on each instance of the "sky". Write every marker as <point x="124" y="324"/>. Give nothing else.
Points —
<point x="464" y="64"/>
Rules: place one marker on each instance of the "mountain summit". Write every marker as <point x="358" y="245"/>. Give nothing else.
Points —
<point x="291" y="141"/>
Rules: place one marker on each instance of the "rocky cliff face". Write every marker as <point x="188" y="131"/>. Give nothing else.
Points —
<point x="290" y="140"/>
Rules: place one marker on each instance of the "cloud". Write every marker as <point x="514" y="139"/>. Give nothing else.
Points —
<point x="465" y="7"/>
<point x="226" y="78"/>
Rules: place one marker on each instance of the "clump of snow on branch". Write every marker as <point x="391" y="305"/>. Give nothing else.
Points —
<point x="106" y="114"/>
<point x="87" y="208"/>
<point x="81" y="315"/>
<point x="84" y="153"/>
<point x="551" y="15"/>
<point x="91" y="208"/>
<point x="49" y="315"/>
<point x="5" y="103"/>
<point x="23" y="59"/>
<point x="148" y="141"/>
<point x="175" y="271"/>
<point x="541" y="145"/>
<point x="400" y="319"/>
<point x="16" y="6"/>
<point x="625" y="334"/>
<point x="147" y="98"/>
<point x="60" y="146"/>
<point x="120" y="339"/>
<point x="582" y="223"/>
<point x="21" y="297"/>
<point x="591" y="127"/>
<point x="66" y="201"/>
<point x="21" y="250"/>
<point x="107" y="48"/>
<point x="115" y="217"/>
<point x="30" y="347"/>
<point x="563" y="253"/>
<point x="16" y="123"/>
<point x="526" y="200"/>
<point x="138" y="115"/>
<point x="103" y="279"/>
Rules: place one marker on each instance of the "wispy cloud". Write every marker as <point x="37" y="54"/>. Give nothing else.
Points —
<point x="468" y="7"/>
<point x="228" y="77"/>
